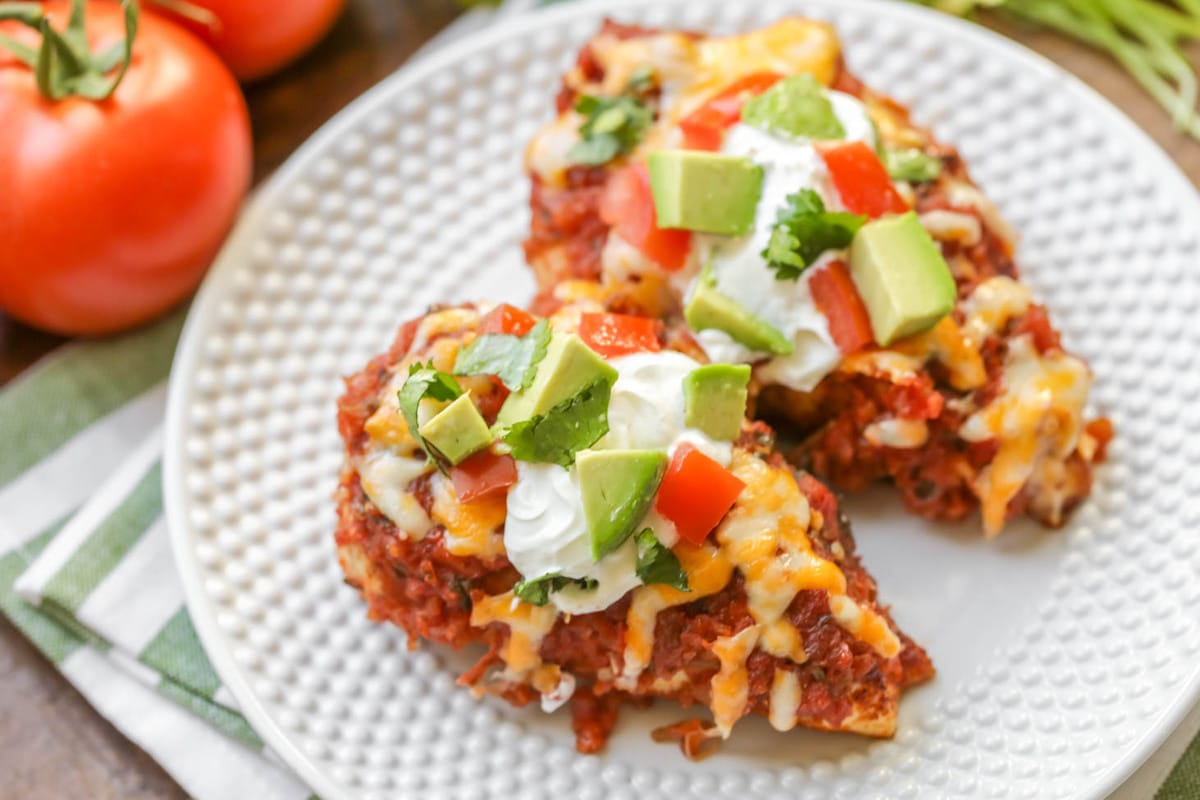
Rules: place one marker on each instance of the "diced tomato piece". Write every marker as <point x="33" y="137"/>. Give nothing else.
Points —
<point x="481" y="474"/>
<point x="837" y="298"/>
<point x="619" y="334"/>
<point x="507" y="319"/>
<point x="628" y="206"/>
<point x="704" y="128"/>
<point x="861" y="180"/>
<point x="696" y="493"/>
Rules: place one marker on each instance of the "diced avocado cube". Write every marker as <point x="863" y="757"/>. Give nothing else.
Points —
<point x="458" y="430"/>
<point x="707" y="192"/>
<point x="902" y="277"/>
<point x="617" y="487"/>
<point x="714" y="399"/>
<point x="796" y="107"/>
<point x="569" y="367"/>
<point x="710" y="309"/>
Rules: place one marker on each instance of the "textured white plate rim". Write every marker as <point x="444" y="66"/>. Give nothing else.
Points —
<point x="198" y="601"/>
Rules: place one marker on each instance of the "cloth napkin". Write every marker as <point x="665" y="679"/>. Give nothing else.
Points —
<point x="86" y="571"/>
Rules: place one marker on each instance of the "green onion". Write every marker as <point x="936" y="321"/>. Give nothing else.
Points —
<point x="1146" y="37"/>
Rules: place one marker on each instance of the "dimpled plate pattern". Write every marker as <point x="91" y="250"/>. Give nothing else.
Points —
<point x="1065" y="657"/>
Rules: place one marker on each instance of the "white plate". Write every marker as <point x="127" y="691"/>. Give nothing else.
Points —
<point x="1065" y="658"/>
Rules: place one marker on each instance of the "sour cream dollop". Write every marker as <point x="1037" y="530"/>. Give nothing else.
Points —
<point x="546" y="532"/>
<point x="742" y="274"/>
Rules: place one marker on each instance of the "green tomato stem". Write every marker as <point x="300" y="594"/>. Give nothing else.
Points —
<point x="62" y="64"/>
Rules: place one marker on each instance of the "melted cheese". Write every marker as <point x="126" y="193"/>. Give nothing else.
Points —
<point x="527" y="626"/>
<point x="895" y="432"/>
<point x="1036" y="421"/>
<point x="785" y="700"/>
<point x="766" y="538"/>
<point x="731" y="685"/>
<point x="388" y="427"/>
<point x="555" y="686"/>
<point x="385" y="477"/>
<point x="440" y="323"/>
<point x="781" y="639"/>
<point x="790" y="46"/>
<point x="673" y="684"/>
<point x="865" y="625"/>
<point x="953" y="226"/>
<point x="964" y="195"/>
<point x="708" y="572"/>
<point x="894" y="365"/>
<point x="991" y="306"/>
<point x="947" y="342"/>
<point x="546" y="155"/>
<point x="472" y="529"/>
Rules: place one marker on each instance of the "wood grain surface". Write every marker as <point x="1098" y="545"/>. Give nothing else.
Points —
<point x="52" y="745"/>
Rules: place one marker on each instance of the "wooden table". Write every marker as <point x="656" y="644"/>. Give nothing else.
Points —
<point x="51" y="742"/>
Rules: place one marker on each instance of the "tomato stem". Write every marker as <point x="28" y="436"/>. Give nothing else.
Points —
<point x="62" y="64"/>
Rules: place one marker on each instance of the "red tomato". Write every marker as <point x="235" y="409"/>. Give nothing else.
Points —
<point x="861" y="180"/>
<point x="258" y="37"/>
<point x="619" y="334"/>
<point x="704" y="128"/>
<point x="628" y="206"/>
<point x="507" y="319"/>
<point x="696" y="493"/>
<point x="111" y="211"/>
<point x="837" y="298"/>
<point x="481" y="474"/>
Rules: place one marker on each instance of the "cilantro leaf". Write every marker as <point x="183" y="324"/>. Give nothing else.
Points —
<point x="613" y="126"/>
<point x="572" y="425"/>
<point x="537" y="591"/>
<point x="656" y="563"/>
<point x="425" y="381"/>
<point x="512" y="359"/>
<point x="912" y="165"/>
<point x="803" y="231"/>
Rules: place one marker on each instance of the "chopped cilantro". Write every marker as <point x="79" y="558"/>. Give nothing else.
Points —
<point x="572" y="425"/>
<point x="613" y="126"/>
<point x="537" y="591"/>
<point x="425" y="381"/>
<point x="912" y="165"/>
<point x="656" y="563"/>
<point x="512" y="359"/>
<point x="803" y="231"/>
<point x="794" y="107"/>
<point x="641" y="80"/>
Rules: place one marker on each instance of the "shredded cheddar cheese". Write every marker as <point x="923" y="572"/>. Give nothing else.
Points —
<point x="865" y="625"/>
<point x="708" y="572"/>
<point x="1036" y="420"/>
<point x="731" y="685"/>
<point x="527" y="626"/>
<point x="785" y="700"/>
<point x="472" y="529"/>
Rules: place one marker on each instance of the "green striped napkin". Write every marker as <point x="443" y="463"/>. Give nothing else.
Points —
<point x="86" y="570"/>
